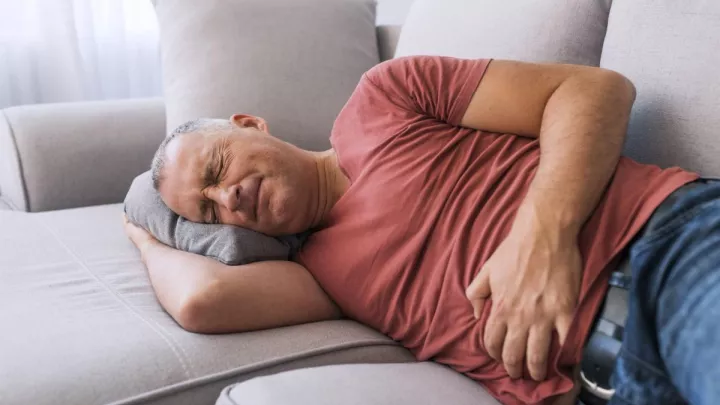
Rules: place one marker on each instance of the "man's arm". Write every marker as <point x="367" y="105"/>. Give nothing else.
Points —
<point x="206" y="296"/>
<point x="580" y="115"/>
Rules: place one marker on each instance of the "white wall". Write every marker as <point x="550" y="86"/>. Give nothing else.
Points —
<point x="392" y="11"/>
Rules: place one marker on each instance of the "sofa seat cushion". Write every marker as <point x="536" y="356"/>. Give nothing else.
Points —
<point x="81" y="325"/>
<point x="360" y="384"/>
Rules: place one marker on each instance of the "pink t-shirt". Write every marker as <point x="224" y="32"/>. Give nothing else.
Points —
<point x="430" y="201"/>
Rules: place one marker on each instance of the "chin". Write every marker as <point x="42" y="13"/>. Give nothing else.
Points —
<point x="286" y="222"/>
<point x="286" y="211"/>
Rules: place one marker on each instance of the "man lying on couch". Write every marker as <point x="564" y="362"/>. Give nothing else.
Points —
<point x="471" y="210"/>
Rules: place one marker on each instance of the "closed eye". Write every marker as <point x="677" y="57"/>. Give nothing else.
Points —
<point x="220" y="170"/>
<point x="223" y="166"/>
<point x="214" y="217"/>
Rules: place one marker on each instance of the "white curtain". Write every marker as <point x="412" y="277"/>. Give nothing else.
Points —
<point x="72" y="50"/>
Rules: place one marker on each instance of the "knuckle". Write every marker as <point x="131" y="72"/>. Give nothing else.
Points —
<point x="536" y="360"/>
<point x="537" y="376"/>
<point x="493" y="347"/>
<point x="512" y="361"/>
<point x="566" y="304"/>
<point x="502" y="312"/>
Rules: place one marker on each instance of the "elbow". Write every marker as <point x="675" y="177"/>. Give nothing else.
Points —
<point x="196" y="313"/>
<point x="619" y="85"/>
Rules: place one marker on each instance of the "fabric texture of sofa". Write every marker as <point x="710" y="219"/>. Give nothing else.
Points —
<point x="80" y="323"/>
<point x="360" y="384"/>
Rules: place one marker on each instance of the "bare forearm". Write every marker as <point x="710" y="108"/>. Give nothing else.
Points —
<point x="207" y="296"/>
<point x="266" y="295"/>
<point x="177" y="276"/>
<point x="581" y="138"/>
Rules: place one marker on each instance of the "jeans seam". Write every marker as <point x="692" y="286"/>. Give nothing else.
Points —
<point x="671" y="227"/>
<point x="648" y="366"/>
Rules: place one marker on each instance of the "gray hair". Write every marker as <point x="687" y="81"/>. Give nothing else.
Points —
<point x="198" y="126"/>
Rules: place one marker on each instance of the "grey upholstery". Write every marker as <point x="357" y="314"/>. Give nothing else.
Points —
<point x="295" y="69"/>
<point x="118" y="136"/>
<point x="669" y="49"/>
<point x="55" y="156"/>
<point x="4" y="205"/>
<point x="387" y="38"/>
<point x="568" y="31"/>
<point x="360" y="384"/>
<point x="81" y="325"/>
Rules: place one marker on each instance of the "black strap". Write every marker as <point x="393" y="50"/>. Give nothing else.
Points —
<point x="620" y="280"/>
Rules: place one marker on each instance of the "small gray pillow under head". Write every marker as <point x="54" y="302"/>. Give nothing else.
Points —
<point x="229" y="244"/>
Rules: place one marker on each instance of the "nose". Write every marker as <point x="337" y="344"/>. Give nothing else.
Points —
<point x="228" y="197"/>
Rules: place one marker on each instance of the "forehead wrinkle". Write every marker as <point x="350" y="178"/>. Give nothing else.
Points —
<point x="209" y="173"/>
<point x="202" y="165"/>
<point x="196" y="152"/>
<point x="211" y="165"/>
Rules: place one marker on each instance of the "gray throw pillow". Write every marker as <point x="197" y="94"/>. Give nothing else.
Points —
<point x="228" y="244"/>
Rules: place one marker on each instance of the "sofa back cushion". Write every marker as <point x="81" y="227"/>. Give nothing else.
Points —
<point x="294" y="63"/>
<point x="569" y="31"/>
<point x="670" y="50"/>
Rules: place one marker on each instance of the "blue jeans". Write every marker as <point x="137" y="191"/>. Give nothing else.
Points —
<point x="671" y="344"/>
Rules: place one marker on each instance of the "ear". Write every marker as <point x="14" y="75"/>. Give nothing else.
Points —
<point x="249" y="121"/>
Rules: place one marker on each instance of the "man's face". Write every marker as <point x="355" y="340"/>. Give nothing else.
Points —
<point x="242" y="177"/>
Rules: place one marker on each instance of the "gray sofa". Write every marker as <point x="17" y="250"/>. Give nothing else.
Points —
<point x="80" y="323"/>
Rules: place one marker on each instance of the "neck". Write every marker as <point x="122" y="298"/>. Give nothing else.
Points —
<point x="332" y="184"/>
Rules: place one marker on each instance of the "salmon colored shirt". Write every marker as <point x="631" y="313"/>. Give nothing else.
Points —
<point x="428" y="204"/>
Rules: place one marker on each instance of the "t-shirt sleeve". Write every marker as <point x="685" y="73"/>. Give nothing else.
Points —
<point x="397" y="98"/>
<point x="432" y="86"/>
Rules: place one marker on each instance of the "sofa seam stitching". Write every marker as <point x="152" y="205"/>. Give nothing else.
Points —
<point x="9" y="203"/>
<point x="172" y="344"/>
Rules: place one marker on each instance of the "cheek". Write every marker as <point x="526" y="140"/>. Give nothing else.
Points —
<point x="233" y="218"/>
<point x="289" y="199"/>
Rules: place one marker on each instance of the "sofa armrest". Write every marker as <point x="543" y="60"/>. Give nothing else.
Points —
<point x="55" y="156"/>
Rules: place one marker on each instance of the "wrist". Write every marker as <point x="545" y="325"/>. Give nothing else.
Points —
<point x="533" y="217"/>
<point x="146" y="246"/>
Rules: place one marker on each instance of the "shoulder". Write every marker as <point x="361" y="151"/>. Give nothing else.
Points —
<point x="394" y="72"/>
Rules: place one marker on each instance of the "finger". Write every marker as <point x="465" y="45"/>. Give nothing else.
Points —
<point x="478" y="291"/>
<point x="562" y="325"/>
<point x="513" y="352"/>
<point x="478" y="305"/>
<point x="494" y="336"/>
<point x="538" y="348"/>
